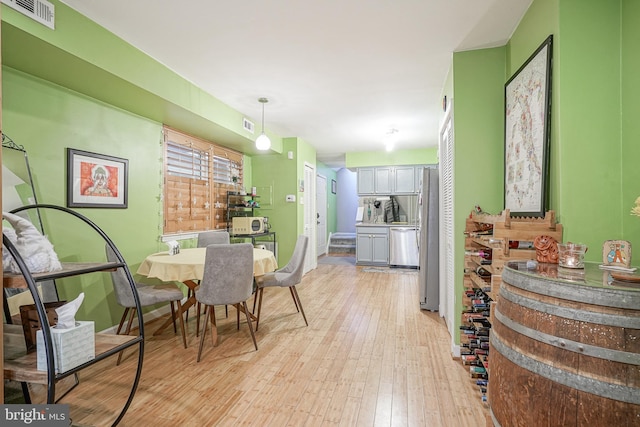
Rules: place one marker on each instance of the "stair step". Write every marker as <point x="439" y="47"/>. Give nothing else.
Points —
<point x="342" y="245"/>
<point x="342" y="251"/>
<point x="343" y="241"/>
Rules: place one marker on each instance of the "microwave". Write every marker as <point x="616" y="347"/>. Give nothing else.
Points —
<point x="248" y="225"/>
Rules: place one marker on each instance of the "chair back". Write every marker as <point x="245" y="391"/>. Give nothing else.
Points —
<point x="228" y="274"/>
<point x="207" y="238"/>
<point x="121" y="286"/>
<point x="295" y="266"/>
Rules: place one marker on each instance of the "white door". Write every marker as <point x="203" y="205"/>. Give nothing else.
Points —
<point x="309" y="201"/>
<point x="321" y="214"/>
<point x="447" y="282"/>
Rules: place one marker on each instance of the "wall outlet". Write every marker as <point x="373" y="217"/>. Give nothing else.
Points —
<point x="291" y="198"/>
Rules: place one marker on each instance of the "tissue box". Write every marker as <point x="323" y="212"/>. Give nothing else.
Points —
<point x="71" y="347"/>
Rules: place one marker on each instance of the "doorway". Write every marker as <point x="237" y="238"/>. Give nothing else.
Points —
<point x="309" y="202"/>
<point x="321" y="214"/>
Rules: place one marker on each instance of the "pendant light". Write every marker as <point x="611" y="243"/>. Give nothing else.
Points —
<point x="263" y="142"/>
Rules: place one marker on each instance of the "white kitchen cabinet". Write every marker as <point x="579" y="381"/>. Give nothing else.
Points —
<point x="372" y="245"/>
<point x="388" y="180"/>
<point x="366" y="177"/>
<point x="404" y="180"/>
<point x="384" y="180"/>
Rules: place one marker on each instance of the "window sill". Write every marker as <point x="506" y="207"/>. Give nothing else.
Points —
<point x="179" y="236"/>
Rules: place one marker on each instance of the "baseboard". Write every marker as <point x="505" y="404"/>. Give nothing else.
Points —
<point x="455" y="351"/>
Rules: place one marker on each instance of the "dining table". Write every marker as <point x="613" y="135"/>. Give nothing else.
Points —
<point x="187" y="266"/>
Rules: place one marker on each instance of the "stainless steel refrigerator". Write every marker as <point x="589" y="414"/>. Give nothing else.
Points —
<point x="428" y="240"/>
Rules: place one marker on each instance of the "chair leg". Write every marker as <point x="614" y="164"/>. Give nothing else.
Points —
<point x="198" y="318"/>
<point x="126" y="332"/>
<point x="294" y="299"/>
<point x="124" y="316"/>
<point x="204" y="332"/>
<point x="259" y="296"/>
<point x="238" y="317"/>
<point x="173" y="316"/>
<point x="246" y="313"/>
<point x="214" y="327"/>
<point x="299" y="304"/>
<point x="182" y="328"/>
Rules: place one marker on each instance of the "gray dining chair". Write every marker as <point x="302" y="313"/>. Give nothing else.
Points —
<point x="205" y="239"/>
<point x="227" y="280"/>
<point x="148" y="295"/>
<point x="287" y="277"/>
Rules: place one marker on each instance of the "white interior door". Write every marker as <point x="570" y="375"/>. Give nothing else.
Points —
<point x="309" y="201"/>
<point x="321" y="214"/>
<point x="447" y="282"/>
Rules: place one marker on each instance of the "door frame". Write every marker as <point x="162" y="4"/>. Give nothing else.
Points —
<point x="308" y="201"/>
<point x="321" y="208"/>
<point x="447" y="247"/>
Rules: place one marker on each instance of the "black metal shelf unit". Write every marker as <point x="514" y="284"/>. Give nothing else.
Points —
<point x="24" y="368"/>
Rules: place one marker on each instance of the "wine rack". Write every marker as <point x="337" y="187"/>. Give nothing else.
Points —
<point x="491" y="241"/>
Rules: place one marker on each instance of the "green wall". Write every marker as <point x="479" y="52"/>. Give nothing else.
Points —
<point x="630" y="102"/>
<point x="422" y="156"/>
<point x="478" y="94"/>
<point x="284" y="176"/>
<point x="586" y="174"/>
<point x="46" y="119"/>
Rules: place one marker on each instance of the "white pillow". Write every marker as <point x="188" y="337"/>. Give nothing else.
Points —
<point x="34" y="248"/>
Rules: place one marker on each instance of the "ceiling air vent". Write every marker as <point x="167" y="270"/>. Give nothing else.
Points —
<point x="38" y="10"/>
<point x="248" y="125"/>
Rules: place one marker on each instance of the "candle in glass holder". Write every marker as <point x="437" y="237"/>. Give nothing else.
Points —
<point x="571" y="255"/>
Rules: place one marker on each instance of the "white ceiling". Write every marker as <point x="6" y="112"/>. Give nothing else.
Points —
<point x="338" y="73"/>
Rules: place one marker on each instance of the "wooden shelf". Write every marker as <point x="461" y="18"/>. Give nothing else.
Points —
<point x="21" y="366"/>
<point x="479" y="281"/>
<point x="494" y="233"/>
<point x="10" y="280"/>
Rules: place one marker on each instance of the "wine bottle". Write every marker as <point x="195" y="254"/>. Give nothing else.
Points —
<point x="482" y="272"/>
<point x="517" y="244"/>
<point x="483" y="253"/>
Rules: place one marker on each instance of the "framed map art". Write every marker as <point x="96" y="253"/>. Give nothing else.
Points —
<point x="527" y="133"/>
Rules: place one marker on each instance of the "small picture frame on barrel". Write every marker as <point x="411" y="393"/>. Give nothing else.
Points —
<point x="616" y="253"/>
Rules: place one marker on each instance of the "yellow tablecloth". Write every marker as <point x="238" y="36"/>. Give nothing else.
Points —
<point x="189" y="264"/>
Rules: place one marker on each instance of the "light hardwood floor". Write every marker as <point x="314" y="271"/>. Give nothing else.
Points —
<point x="369" y="357"/>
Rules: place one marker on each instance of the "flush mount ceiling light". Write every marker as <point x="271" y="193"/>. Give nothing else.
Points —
<point x="263" y="142"/>
<point x="390" y="139"/>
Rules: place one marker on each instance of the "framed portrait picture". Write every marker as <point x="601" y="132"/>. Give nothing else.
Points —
<point x="333" y="186"/>
<point x="96" y="180"/>
<point x="527" y="134"/>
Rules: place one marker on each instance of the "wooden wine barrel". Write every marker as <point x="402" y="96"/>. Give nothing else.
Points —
<point x="564" y="352"/>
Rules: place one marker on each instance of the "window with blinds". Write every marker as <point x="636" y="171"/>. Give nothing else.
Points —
<point x="197" y="176"/>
